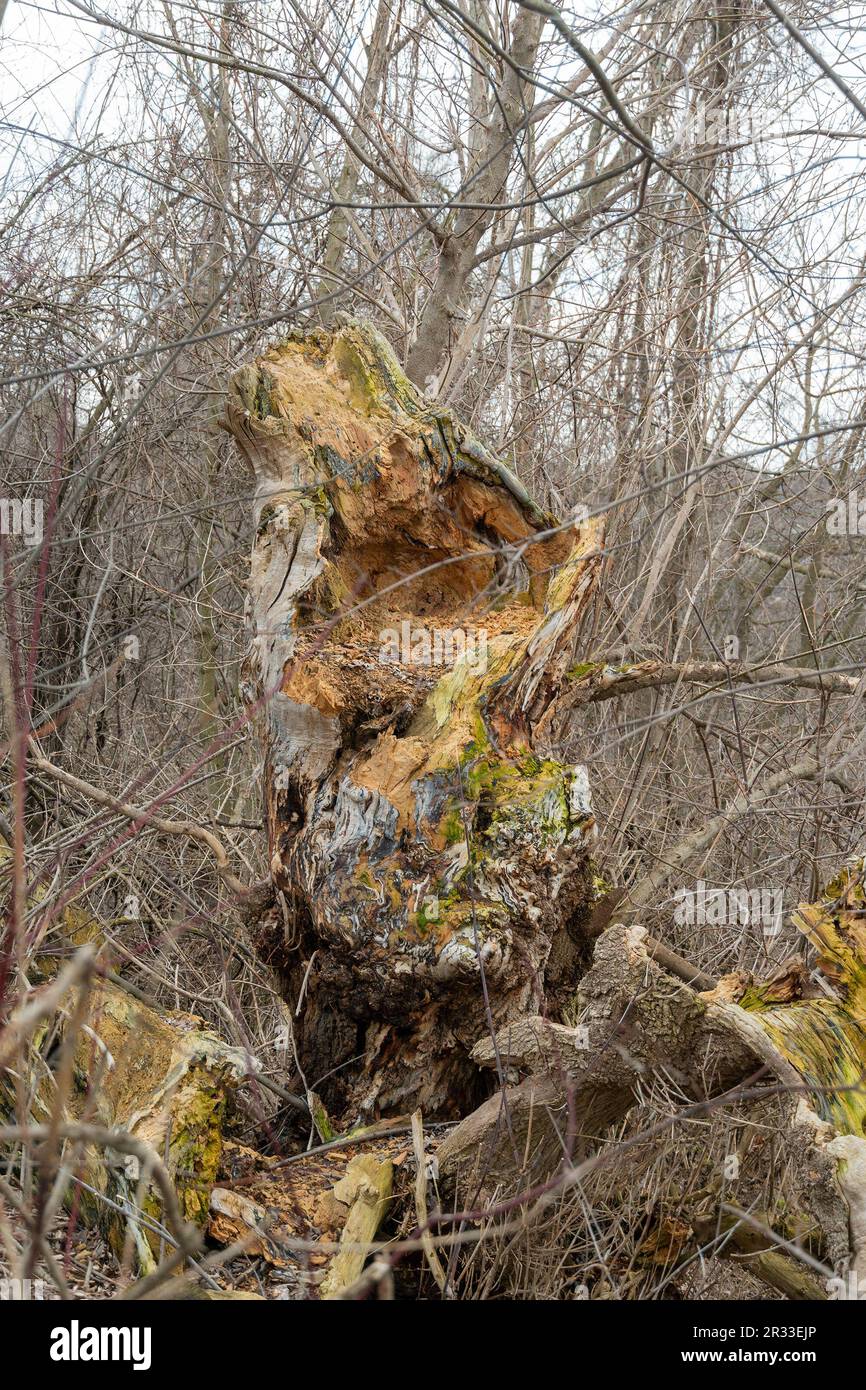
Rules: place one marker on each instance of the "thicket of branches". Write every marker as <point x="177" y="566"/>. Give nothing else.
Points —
<point x="627" y="246"/>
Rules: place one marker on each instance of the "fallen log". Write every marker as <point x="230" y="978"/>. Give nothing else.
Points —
<point x="118" y="1065"/>
<point x="153" y="1086"/>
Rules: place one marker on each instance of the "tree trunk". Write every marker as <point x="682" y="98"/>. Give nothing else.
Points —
<point x="412" y="616"/>
<point x="503" y="122"/>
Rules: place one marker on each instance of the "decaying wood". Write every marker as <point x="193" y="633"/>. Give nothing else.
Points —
<point x="296" y="1216"/>
<point x="163" y="1080"/>
<point x="365" y="1190"/>
<point x="419" y="832"/>
<point x="433" y="858"/>
<point x="43" y="1003"/>
<point x="639" y="1022"/>
<point x="635" y="1019"/>
<point x="755" y="1250"/>
<point x="154" y="1079"/>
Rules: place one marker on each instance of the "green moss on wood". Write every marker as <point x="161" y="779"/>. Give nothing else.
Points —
<point x="825" y="1039"/>
<point x="376" y="379"/>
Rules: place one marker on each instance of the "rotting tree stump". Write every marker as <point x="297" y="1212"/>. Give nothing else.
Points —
<point x="412" y="617"/>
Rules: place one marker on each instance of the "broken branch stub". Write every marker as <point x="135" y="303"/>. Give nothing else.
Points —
<point x="412" y="617"/>
<point x="161" y="1078"/>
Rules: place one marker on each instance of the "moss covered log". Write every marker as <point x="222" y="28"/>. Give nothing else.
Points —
<point x="163" y="1079"/>
<point x="156" y="1077"/>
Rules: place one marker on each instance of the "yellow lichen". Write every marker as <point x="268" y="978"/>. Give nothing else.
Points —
<point x="825" y="1038"/>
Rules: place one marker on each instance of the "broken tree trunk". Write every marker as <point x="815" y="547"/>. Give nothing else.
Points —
<point x="412" y="617"/>
<point x="132" y="1097"/>
<point x="160" y="1078"/>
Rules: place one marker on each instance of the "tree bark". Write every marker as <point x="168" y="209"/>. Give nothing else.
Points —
<point x="794" y="1058"/>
